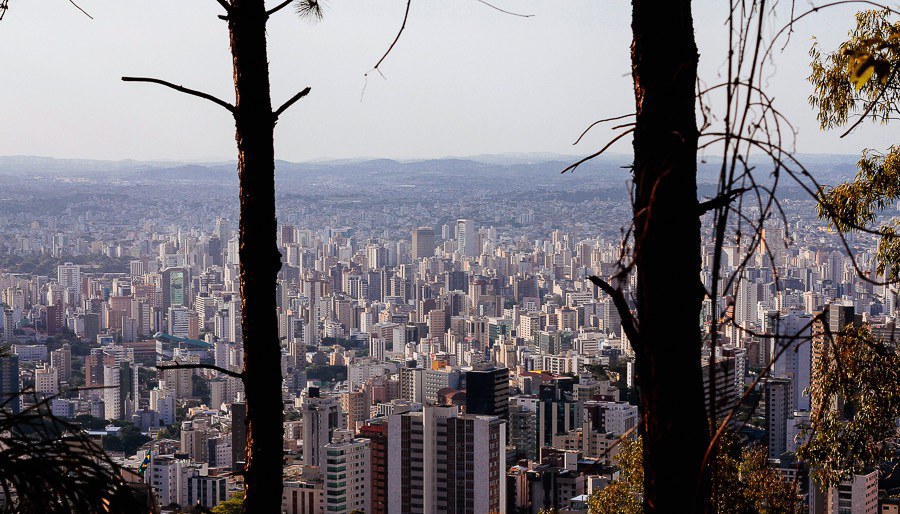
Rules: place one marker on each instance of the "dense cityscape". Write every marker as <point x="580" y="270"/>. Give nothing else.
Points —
<point x="443" y="349"/>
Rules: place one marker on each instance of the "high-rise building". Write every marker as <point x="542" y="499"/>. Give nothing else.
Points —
<point x="791" y="349"/>
<point x="376" y="432"/>
<point x="487" y="392"/>
<point x="441" y="461"/>
<point x="321" y="417"/>
<point x="422" y="242"/>
<point x="347" y="473"/>
<point x="9" y="384"/>
<point x="69" y="276"/>
<point x="120" y="390"/>
<point x="238" y="436"/>
<point x="465" y="238"/>
<point x="55" y="319"/>
<point x="856" y="495"/>
<point x="61" y="359"/>
<point x="46" y="380"/>
<point x="176" y="285"/>
<point x="778" y="401"/>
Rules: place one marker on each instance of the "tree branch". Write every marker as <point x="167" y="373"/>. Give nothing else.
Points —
<point x="290" y="102"/>
<point x="600" y="121"/>
<point x="225" y="5"/>
<point x="403" y="26"/>
<point x="721" y="200"/>
<point x="278" y="7"/>
<point x="203" y="366"/>
<point x="872" y="105"/>
<point x="629" y="324"/>
<point x="80" y="9"/>
<point x="505" y="12"/>
<point x="185" y="90"/>
<point x="572" y="167"/>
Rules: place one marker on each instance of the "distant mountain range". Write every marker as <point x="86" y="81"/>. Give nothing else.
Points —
<point x="511" y="170"/>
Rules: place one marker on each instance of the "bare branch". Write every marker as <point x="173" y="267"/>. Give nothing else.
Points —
<point x="572" y="167"/>
<point x="225" y="5"/>
<point x="721" y="200"/>
<point x="278" y="7"/>
<point x="505" y="12"/>
<point x="397" y="38"/>
<point x="80" y="9"/>
<point x="629" y="324"/>
<point x="185" y="90"/>
<point x="290" y="102"/>
<point x="592" y="125"/>
<point x="202" y="366"/>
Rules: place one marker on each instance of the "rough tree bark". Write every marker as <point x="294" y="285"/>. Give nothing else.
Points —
<point x="667" y="255"/>
<point x="260" y="259"/>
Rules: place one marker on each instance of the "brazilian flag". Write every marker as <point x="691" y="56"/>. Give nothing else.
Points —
<point x="144" y="464"/>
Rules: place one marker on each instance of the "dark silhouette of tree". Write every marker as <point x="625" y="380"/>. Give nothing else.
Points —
<point x="48" y="464"/>
<point x="667" y="342"/>
<point x="260" y="259"/>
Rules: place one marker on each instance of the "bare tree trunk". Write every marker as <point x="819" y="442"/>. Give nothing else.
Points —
<point x="259" y="256"/>
<point x="667" y="248"/>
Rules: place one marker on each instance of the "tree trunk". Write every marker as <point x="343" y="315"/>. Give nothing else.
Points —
<point x="667" y="254"/>
<point x="260" y="259"/>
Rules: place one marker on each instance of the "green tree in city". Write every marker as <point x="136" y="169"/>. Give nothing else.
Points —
<point x="233" y="505"/>
<point x="751" y="485"/>
<point x="856" y="397"/>
<point x="855" y="404"/>
<point x="861" y="80"/>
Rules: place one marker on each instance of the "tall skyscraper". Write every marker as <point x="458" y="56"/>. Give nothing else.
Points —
<point x="465" y="238"/>
<point x="422" y="242"/>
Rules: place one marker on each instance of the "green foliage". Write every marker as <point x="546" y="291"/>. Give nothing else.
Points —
<point x="128" y="440"/>
<point x="45" y="264"/>
<point x="327" y="373"/>
<point x="88" y="422"/>
<point x="746" y="482"/>
<point x="855" y="405"/>
<point x="170" y="432"/>
<point x="843" y="79"/>
<point x="856" y="204"/>
<point x="623" y="496"/>
<point x="233" y="505"/>
<point x="844" y="87"/>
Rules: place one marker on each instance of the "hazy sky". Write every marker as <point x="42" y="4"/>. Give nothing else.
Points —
<point x="463" y="80"/>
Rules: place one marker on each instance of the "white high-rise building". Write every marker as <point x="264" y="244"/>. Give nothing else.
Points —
<point x="465" y="238"/>
<point x="69" y="276"/>
<point x="347" y="473"/>
<point x="118" y="391"/>
<point x="793" y="331"/>
<point x="441" y="461"/>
